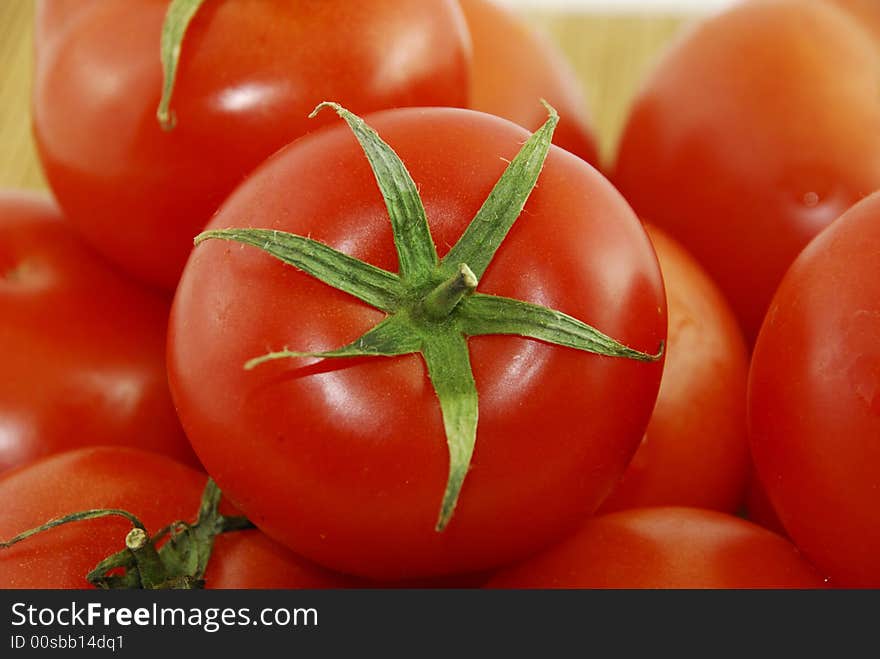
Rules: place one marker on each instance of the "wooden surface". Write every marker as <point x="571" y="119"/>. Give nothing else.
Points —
<point x="610" y="54"/>
<point x="18" y="161"/>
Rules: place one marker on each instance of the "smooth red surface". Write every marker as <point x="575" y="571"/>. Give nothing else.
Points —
<point x="515" y="66"/>
<point x="82" y="346"/>
<point x="695" y="450"/>
<point x="666" y="548"/>
<point x="54" y="17"/>
<point x="155" y="489"/>
<point x="250" y="559"/>
<point x="814" y="399"/>
<point x="346" y="461"/>
<point x="867" y="11"/>
<point x="758" y="127"/>
<point x="250" y="73"/>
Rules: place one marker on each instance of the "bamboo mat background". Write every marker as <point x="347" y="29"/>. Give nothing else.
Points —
<point x="611" y="53"/>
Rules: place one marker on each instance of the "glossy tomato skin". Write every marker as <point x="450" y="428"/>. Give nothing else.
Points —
<point x="695" y="450"/>
<point x="155" y="489"/>
<point x="514" y="67"/>
<point x="82" y="346"/>
<point x="665" y="547"/>
<point x="814" y="399"/>
<point x="53" y="18"/>
<point x="867" y="11"/>
<point x="747" y="140"/>
<point x="250" y="559"/>
<point x="250" y="73"/>
<point x="346" y="461"/>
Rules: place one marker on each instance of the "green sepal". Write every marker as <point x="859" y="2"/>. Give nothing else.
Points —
<point x="179" y="563"/>
<point x="481" y="314"/>
<point x="392" y="337"/>
<point x="74" y="517"/>
<point x="177" y="19"/>
<point x="492" y="223"/>
<point x="375" y="286"/>
<point x="183" y="558"/>
<point x="449" y="367"/>
<point x="416" y="252"/>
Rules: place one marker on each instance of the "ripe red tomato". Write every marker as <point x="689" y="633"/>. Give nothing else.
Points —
<point x="250" y="72"/>
<point x="695" y="450"/>
<point x="82" y="347"/>
<point x="345" y="461"/>
<point x="814" y="399"/>
<point x="665" y="548"/>
<point x="152" y="487"/>
<point x="514" y="66"/>
<point x="748" y="139"/>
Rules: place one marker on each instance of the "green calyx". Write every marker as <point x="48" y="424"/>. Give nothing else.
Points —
<point x="177" y="19"/>
<point x="432" y="304"/>
<point x="179" y="563"/>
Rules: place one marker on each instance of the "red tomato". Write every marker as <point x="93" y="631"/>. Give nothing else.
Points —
<point x="695" y="450"/>
<point x="152" y="487"/>
<point x="814" y="399"/>
<point x="250" y="72"/>
<point x="345" y="462"/>
<point x="748" y="139"/>
<point x="665" y="548"/>
<point x="515" y="66"/>
<point x="82" y="347"/>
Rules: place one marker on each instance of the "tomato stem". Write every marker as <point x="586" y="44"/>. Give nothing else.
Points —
<point x="150" y="569"/>
<point x="179" y="563"/>
<point x="439" y="303"/>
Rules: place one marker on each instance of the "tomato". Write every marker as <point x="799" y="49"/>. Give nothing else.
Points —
<point x="82" y="347"/>
<point x="250" y="72"/>
<point x="665" y="548"/>
<point x="814" y="399"/>
<point x="747" y="140"/>
<point x="695" y="450"/>
<point x="514" y="66"/>
<point x="152" y="487"/>
<point x="345" y="461"/>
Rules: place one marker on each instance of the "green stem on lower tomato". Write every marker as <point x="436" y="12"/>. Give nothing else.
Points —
<point x="179" y="563"/>
<point x="152" y="573"/>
